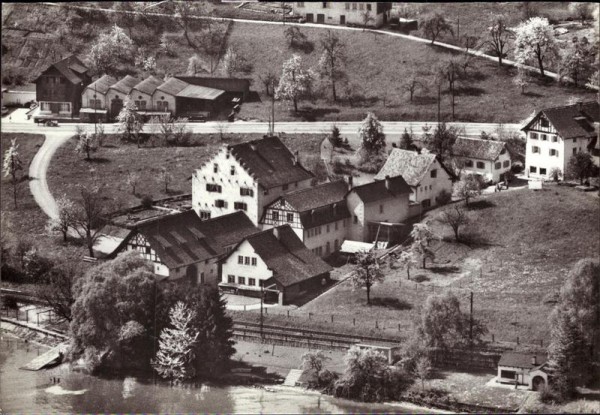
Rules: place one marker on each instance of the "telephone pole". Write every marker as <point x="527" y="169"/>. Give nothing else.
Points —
<point x="471" y="319"/>
<point x="262" y="294"/>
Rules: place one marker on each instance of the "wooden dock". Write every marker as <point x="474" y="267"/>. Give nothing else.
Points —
<point x="51" y="356"/>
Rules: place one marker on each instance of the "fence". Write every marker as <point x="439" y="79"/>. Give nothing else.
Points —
<point x="32" y="315"/>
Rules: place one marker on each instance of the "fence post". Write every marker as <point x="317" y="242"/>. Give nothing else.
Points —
<point x="376" y="324"/>
<point x="332" y="318"/>
<point x="541" y="342"/>
<point x="309" y="315"/>
<point x="517" y="339"/>
<point x="354" y="321"/>
<point x="399" y="327"/>
<point x="493" y="340"/>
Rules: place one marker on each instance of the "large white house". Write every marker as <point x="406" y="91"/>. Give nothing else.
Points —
<point x="375" y="14"/>
<point x="487" y="158"/>
<point x="554" y="135"/>
<point x="247" y="177"/>
<point x="423" y="172"/>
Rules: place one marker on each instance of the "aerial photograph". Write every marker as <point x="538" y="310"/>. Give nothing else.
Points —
<point x="277" y="207"/>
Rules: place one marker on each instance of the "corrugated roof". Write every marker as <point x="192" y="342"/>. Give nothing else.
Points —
<point x="572" y="121"/>
<point x="149" y="85"/>
<point x="200" y="92"/>
<point x="172" y="86"/>
<point x="412" y="166"/>
<point x="225" y="84"/>
<point x="477" y="148"/>
<point x="270" y="161"/>
<point x="287" y="256"/>
<point x="102" y="84"/>
<point x="126" y="84"/>
<point x="522" y="360"/>
<point x="382" y="189"/>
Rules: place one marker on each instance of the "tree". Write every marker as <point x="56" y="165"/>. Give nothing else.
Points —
<point x="165" y="177"/>
<point x="174" y="360"/>
<point x="534" y="40"/>
<point x="580" y="166"/>
<point x="582" y="11"/>
<point x="332" y="61"/>
<point x="133" y="179"/>
<point x="130" y="122"/>
<point x="269" y="80"/>
<point x="455" y="217"/>
<point x="522" y="79"/>
<point x="335" y="138"/>
<point x="498" y="36"/>
<point x="57" y="288"/>
<point x="469" y="187"/>
<point x="412" y="83"/>
<point x="451" y="71"/>
<point x="313" y="361"/>
<point x="112" y="49"/>
<point x="185" y="12"/>
<point x="529" y="9"/>
<point x="234" y="62"/>
<point x="295" y="37"/>
<point x="12" y="164"/>
<point x="88" y="214"/>
<point x="63" y="221"/>
<point x="406" y="141"/>
<point x="578" y="62"/>
<point x="212" y="42"/>
<point x="366" y="18"/>
<point x="295" y="82"/>
<point x="367" y="272"/>
<point x="372" y="138"/>
<point x="422" y="370"/>
<point x="86" y="143"/>
<point x="407" y="260"/>
<point x="435" y="26"/>
<point x="195" y="65"/>
<point x="441" y="141"/>
<point x="422" y="237"/>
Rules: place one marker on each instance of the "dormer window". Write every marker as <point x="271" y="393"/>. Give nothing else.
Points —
<point x="544" y="122"/>
<point x="232" y="170"/>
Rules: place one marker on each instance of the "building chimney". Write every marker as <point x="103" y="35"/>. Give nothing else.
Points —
<point x="534" y="360"/>
<point x="388" y="183"/>
<point x="334" y="210"/>
<point x="312" y="215"/>
<point x="253" y="146"/>
<point x="296" y="158"/>
<point x="350" y="185"/>
<point x="276" y="232"/>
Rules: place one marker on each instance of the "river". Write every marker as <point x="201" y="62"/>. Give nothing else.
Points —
<point x="30" y="392"/>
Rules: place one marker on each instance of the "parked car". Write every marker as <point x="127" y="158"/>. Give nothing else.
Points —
<point x="4" y="110"/>
<point x="48" y="123"/>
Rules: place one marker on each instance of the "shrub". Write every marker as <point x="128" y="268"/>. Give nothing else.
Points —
<point x="547" y="395"/>
<point x="444" y="197"/>
<point x="516" y="168"/>
<point x="147" y="202"/>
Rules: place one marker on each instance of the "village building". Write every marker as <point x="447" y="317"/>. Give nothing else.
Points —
<point x="274" y="262"/>
<point x="319" y="216"/>
<point x="59" y="88"/>
<point x="423" y="172"/>
<point x="374" y="14"/>
<point x="94" y="101"/>
<point x="378" y="210"/>
<point x="554" y="135"/>
<point x="117" y="92"/>
<point x="183" y="246"/>
<point x="142" y="93"/>
<point x="523" y="369"/>
<point x="247" y="177"/>
<point x="19" y="95"/>
<point x="489" y="159"/>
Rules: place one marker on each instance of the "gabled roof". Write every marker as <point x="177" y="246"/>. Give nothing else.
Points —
<point x="200" y="92"/>
<point x="102" y="84"/>
<point x="183" y="239"/>
<point x="477" y="148"/>
<point x="381" y="189"/>
<point x="572" y="121"/>
<point x="522" y="360"/>
<point x="126" y="84"/>
<point x="270" y="162"/>
<point x="225" y="84"/>
<point x="148" y="85"/>
<point x="412" y="166"/>
<point x="71" y="68"/>
<point x="172" y="86"/>
<point x="285" y="254"/>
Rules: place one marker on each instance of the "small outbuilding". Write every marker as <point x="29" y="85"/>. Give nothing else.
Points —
<point x="519" y="368"/>
<point x="93" y="99"/>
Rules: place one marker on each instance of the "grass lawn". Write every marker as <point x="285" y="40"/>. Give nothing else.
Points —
<point x="528" y="241"/>
<point x="377" y="64"/>
<point x="110" y="165"/>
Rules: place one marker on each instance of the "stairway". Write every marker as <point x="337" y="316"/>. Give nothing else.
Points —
<point x="53" y="355"/>
<point x="292" y="377"/>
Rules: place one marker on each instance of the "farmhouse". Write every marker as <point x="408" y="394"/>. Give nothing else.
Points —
<point x="554" y="135"/>
<point x="374" y="14"/>
<point x="59" y="88"/>
<point x="486" y="158"/>
<point x="274" y="262"/>
<point x="523" y="369"/>
<point x="319" y="216"/>
<point x="94" y="99"/>
<point x="423" y="172"/>
<point x="247" y="177"/>
<point x="116" y="93"/>
<point x="182" y="246"/>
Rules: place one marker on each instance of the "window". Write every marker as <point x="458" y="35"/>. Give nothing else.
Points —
<point x="544" y="122"/>
<point x="554" y="138"/>
<point x="232" y="170"/>
<point x="240" y="206"/>
<point x="284" y="187"/>
<point x="574" y="151"/>
<point x="544" y="137"/>
<point x="535" y="149"/>
<point x="480" y="165"/>
<point x="327" y="228"/>
<point x="65" y="107"/>
<point x="553" y="152"/>
<point x="246" y="260"/>
<point x="433" y="173"/>
<point x="204" y="214"/>
<point x="266" y="192"/>
<point x="201" y="278"/>
<point x="327" y="248"/>
<point x="244" y="191"/>
<point x="533" y="136"/>
<point x="275" y="215"/>
<point x="336" y="226"/>
<point x="354" y="5"/>
<point x="506" y="163"/>
<point x="380" y="208"/>
<point x="95" y="103"/>
<point x="253" y="261"/>
<point x="240" y="260"/>
<point x="508" y="374"/>
<point x="574" y="140"/>
<point x="45" y="106"/>
<point x="162" y="105"/>
<point x="532" y="169"/>
<point x="542" y="171"/>
<point x="347" y="6"/>
<point x="220" y="203"/>
<point x="242" y="280"/>
<point x="251" y="281"/>
<point x="468" y="163"/>
<point x="498" y="165"/>
<point x="231" y="279"/>
<point x="214" y="188"/>
<point x="300" y="4"/>
<point x="215" y="168"/>
<point x="361" y="6"/>
<point x="141" y="105"/>
<point x="368" y="7"/>
<point x="290" y="217"/>
<point x="324" y="4"/>
<point x="355" y="219"/>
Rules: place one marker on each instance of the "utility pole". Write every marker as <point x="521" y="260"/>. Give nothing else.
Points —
<point x="95" y="112"/>
<point x="262" y="294"/>
<point x="471" y="319"/>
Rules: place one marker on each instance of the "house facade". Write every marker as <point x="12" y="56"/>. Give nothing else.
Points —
<point x="487" y="158"/>
<point x="344" y="13"/>
<point x="554" y="135"/>
<point x="423" y="172"/>
<point x="116" y="94"/>
<point x="523" y="369"/>
<point x="142" y="93"/>
<point x="93" y="99"/>
<point x="247" y="177"/>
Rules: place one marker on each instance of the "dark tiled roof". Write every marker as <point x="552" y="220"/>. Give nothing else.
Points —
<point x="182" y="239"/>
<point x="287" y="256"/>
<point x="71" y="68"/>
<point x="378" y="190"/>
<point x="317" y="196"/>
<point x="324" y="214"/>
<point x="565" y="119"/>
<point x="172" y="86"/>
<point x="270" y="162"/>
<point x="126" y="84"/>
<point x="411" y="165"/>
<point x="521" y="360"/>
<point x="149" y="85"/>
<point x="102" y="84"/>
<point x="477" y="148"/>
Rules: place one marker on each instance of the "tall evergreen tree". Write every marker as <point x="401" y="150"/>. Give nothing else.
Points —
<point x="406" y="141"/>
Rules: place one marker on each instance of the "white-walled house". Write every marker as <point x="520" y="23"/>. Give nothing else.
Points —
<point x="487" y="158"/>
<point x="523" y="369"/>
<point x="554" y="135"/>
<point x="319" y="216"/>
<point x="247" y="177"/>
<point x="378" y="209"/>
<point x="117" y="92"/>
<point x="142" y="94"/>
<point x="423" y="172"/>
<point x="183" y="246"/>
<point x="343" y="13"/>
<point x="274" y="261"/>
<point x="93" y="99"/>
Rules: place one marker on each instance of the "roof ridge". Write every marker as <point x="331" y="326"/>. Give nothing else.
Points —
<point x="569" y="105"/>
<point x="294" y="192"/>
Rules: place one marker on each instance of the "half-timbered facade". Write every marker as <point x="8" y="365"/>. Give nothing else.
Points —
<point x="487" y="158"/>
<point x="554" y="135"/>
